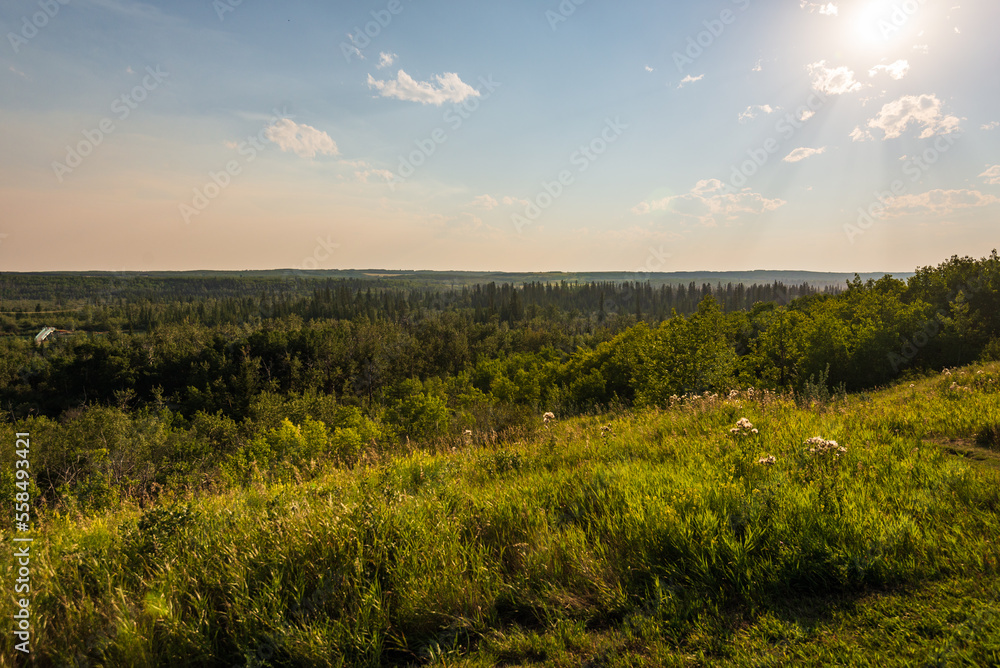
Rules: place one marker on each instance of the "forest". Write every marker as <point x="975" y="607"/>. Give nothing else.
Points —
<point x="296" y="471"/>
<point x="204" y="367"/>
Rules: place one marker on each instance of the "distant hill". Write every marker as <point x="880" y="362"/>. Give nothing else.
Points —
<point x="458" y="279"/>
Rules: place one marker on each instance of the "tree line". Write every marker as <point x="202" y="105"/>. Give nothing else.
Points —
<point x="391" y="365"/>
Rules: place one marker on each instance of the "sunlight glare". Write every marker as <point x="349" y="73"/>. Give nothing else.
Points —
<point x="878" y="24"/>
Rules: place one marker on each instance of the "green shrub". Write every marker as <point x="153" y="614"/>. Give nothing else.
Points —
<point x="419" y="414"/>
<point x="346" y="444"/>
<point x="988" y="436"/>
<point x="991" y="351"/>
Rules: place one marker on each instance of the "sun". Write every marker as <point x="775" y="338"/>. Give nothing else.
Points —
<point x="876" y="25"/>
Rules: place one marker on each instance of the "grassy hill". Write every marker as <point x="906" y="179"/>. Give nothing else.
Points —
<point x="678" y="536"/>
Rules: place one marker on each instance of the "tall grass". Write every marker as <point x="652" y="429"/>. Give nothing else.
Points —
<point x="659" y="518"/>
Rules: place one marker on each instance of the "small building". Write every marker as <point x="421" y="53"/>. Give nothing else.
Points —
<point x="44" y="334"/>
<point x="47" y="333"/>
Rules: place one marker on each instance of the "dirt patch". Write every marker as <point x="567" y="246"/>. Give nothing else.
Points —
<point x="968" y="449"/>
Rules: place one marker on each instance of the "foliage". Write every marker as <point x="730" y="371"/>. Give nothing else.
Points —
<point x="739" y="528"/>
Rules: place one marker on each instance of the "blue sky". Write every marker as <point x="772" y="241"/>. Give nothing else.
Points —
<point x="644" y="136"/>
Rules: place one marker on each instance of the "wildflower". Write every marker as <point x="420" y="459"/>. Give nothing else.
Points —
<point x="767" y="461"/>
<point x="548" y="416"/>
<point x="744" y="426"/>
<point x="467" y="432"/>
<point x="821" y="446"/>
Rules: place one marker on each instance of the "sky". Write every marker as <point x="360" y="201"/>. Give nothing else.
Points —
<point x="552" y="135"/>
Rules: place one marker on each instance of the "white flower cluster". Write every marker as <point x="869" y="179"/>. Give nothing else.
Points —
<point x="606" y="430"/>
<point x="743" y="427"/>
<point x="548" y="417"/>
<point x="767" y="461"/>
<point x="821" y="446"/>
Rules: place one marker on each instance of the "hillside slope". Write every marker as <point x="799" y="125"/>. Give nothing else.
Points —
<point x="718" y="531"/>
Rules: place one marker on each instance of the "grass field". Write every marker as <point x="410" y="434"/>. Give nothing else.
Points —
<point x="680" y="536"/>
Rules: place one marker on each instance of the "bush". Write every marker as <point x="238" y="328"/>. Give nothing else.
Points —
<point x="289" y="445"/>
<point x="991" y="351"/>
<point x="419" y="414"/>
<point x="346" y="444"/>
<point x="988" y="436"/>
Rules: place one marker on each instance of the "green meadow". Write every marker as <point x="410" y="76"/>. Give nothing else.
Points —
<point x="715" y="530"/>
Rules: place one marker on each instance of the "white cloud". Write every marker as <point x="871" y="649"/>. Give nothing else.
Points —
<point x="829" y="9"/>
<point x="992" y="175"/>
<point x="17" y="72"/>
<point x="709" y="202"/>
<point x="938" y="202"/>
<point x="992" y="125"/>
<point x="832" y="81"/>
<point x="923" y="110"/>
<point x="303" y="140"/>
<point x="515" y="201"/>
<point x="486" y="201"/>
<point x="751" y="112"/>
<point x="896" y="70"/>
<point x="381" y="173"/>
<point x="857" y="134"/>
<point x="690" y="79"/>
<point x="921" y="48"/>
<point x="450" y="88"/>
<point x="386" y="60"/>
<point x="803" y="153"/>
<point x="757" y="67"/>
<point x="648" y="68"/>
<point x="465" y="225"/>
